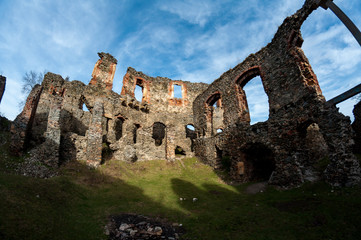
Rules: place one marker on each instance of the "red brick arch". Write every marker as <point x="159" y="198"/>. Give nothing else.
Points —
<point x="243" y="78"/>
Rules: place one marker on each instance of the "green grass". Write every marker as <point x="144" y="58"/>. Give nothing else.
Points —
<point x="76" y="205"/>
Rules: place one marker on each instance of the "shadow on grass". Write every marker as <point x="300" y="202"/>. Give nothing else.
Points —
<point x="312" y="212"/>
<point x="75" y="205"/>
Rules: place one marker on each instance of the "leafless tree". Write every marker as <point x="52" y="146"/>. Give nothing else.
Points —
<point x="29" y="80"/>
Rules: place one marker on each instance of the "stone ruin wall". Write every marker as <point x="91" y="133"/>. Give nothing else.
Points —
<point x="304" y="139"/>
<point x="116" y="126"/>
<point x="302" y="132"/>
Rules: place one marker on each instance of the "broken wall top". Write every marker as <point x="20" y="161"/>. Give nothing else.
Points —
<point x="285" y="72"/>
<point x="104" y="71"/>
<point x="159" y="91"/>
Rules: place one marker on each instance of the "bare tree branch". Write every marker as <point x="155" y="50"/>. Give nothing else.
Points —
<point x="29" y="80"/>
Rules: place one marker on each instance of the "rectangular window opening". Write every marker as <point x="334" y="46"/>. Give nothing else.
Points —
<point x="177" y="91"/>
<point x="138" y="93"/>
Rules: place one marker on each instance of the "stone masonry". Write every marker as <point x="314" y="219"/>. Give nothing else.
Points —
<point x="304" y="139"/>
<point x="21" y="127"/>
<point x="116" y="126"/>
<point x="2" y="86"/>
<point x="104" y="71"/>
<point x="95" y="135"/>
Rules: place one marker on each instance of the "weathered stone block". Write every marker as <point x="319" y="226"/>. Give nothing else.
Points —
<point x="104" y="71"/>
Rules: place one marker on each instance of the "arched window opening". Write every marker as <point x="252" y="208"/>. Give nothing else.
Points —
<point x="84" y="108"/>
<point x="257" y="100"/>
<point x="118" y="128"/>
<point x="190" y="127"/>
<point x="252" y="97"/>
<point x="158" y="133"/>
<point x="219" y="130"/>
<point x="191" y="134"/>
<point x="179" y="152"/>
<point x="177" y="91"/>
<point x="135" y="132"/>
<point x="83" y="104"/>
<point x="214" y="100"/>
<point x="216" y="104"/>
<point x="214" y="113"/>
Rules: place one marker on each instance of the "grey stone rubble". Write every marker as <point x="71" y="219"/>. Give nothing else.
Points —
<point x="304" y="139"/>
<point x="132" y="226"/>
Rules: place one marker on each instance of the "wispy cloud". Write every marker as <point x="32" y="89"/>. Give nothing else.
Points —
<point x="334" y="54"/>
<point x="52" y="35"/>
<point x="195" y="12"/>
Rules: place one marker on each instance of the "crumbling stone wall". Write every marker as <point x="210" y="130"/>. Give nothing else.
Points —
<point x="161" y="107"/>
<point x="21" y="126"/>
<point x="104" y="71"/>
<point x="2" y="86"/>
<point x="116" y="126"/>
<point x="280" y="150"/>
<point x="304" y="139"/>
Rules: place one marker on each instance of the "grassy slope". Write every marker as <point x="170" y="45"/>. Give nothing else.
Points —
<point x="76" y="204"/>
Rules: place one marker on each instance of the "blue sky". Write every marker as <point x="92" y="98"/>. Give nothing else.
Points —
<point x="184" y="40"/>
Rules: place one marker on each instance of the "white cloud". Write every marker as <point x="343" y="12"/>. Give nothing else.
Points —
<point x="334" y="54"/>
<point x="195" y="12"/>
<point x="188" y="40"/>
<point x="62" y="37"/>
<point x="249" y="27"/>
